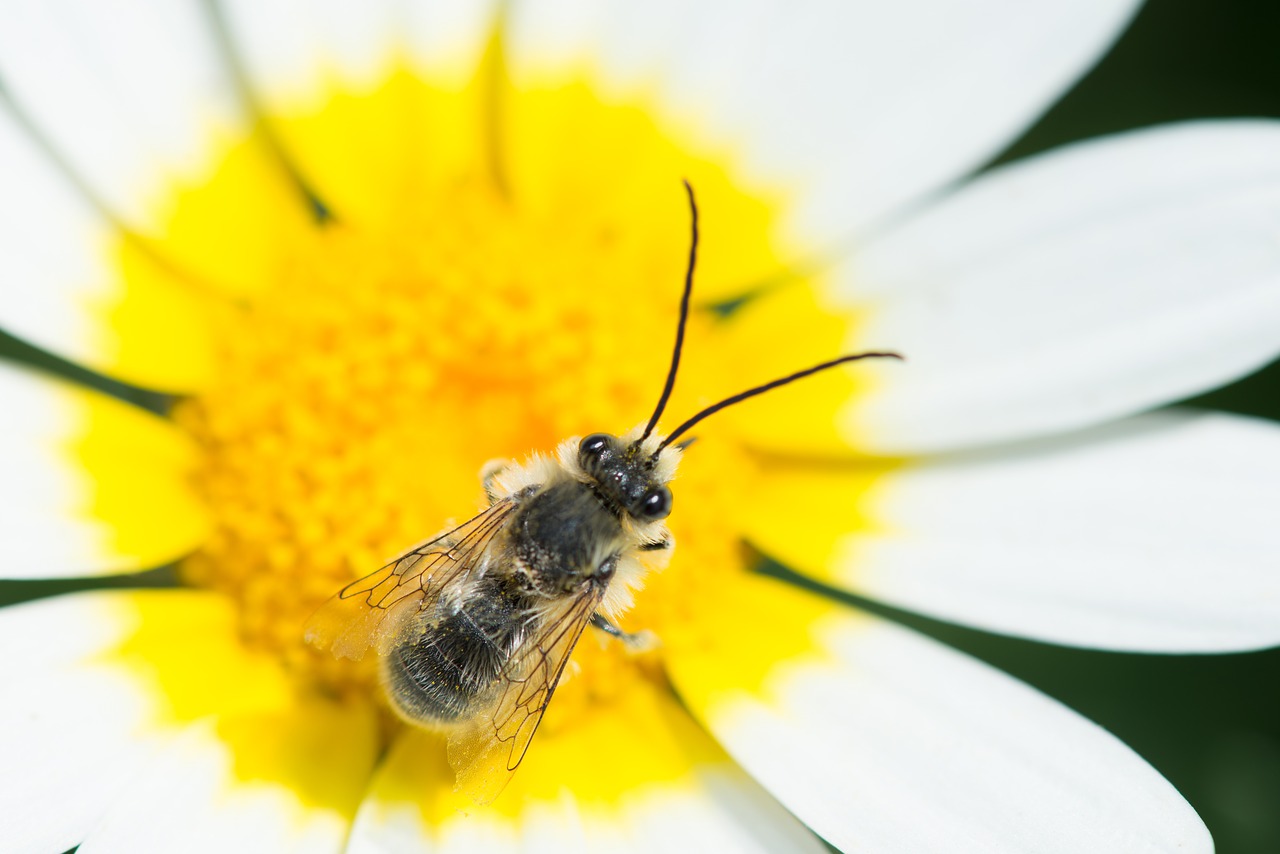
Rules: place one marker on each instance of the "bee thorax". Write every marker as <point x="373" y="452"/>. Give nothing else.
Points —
<point x="563" y="538"/>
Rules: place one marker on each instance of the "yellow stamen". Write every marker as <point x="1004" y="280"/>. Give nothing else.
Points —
<point x="360" y="385"/>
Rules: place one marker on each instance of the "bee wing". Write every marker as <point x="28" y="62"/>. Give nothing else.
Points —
<point x="372" y="608"/>
<point x="486" y="751"/>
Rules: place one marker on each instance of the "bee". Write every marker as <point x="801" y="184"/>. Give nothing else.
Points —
<point x="474" y="627"/>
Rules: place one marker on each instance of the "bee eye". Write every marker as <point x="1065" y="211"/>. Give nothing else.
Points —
<point x="656" y="504"/>
<point x="594" y="446"/>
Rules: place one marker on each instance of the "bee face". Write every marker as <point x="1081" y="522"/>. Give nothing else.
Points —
<point x="625" y="477"/>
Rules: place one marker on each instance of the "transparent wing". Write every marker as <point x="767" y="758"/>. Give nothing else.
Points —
<point x="372" y="608"/>
<point x="487" y="750"/>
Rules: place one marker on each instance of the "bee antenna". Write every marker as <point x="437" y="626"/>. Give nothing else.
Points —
<point x="761" y="389"/>
<point x="684" y="317"/>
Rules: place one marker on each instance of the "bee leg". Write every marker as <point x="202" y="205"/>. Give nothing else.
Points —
<point x="488" y="475"/>
<point x="660" y="546"/>
<point x="635" y="641"/>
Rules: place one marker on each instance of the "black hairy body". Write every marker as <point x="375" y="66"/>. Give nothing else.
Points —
<point x="562" y="537"/>
<point x="449" y="670"/>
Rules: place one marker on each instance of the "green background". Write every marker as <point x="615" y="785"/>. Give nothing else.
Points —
<point x="1210" y="724"/>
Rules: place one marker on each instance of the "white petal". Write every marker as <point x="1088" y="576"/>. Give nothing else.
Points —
<point x="132" y="95"/>
<point x="299" y="53"/>
<point x="49" y="234"/>
<point x="63" y="762"/>
<point x="295" y="50"/>
<point x="204" y="793"/>
<point x="635" y="776"/>
<point x="1156" y="534"/>
<point x="727" y="812"/>
<point x="92" y="485"/>
<point x="446" y="40"/>
<point x="63" y="265"/>
<point x="1072" y="288"/>
<point x="882" y="740"/>
<point x="731" y="812"/>
<point x="83" y="714"/>
<point x="861" y="107"/>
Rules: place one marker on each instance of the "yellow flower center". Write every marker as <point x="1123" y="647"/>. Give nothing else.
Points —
<point x="375" y="363"/>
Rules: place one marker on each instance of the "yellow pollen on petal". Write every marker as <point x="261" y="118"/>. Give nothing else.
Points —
<point x="382" y="360"/>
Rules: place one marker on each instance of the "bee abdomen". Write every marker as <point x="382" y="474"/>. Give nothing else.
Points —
<point x="446" y="674"/>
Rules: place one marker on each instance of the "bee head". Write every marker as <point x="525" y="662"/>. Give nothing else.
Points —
<point x="625" y="476"/>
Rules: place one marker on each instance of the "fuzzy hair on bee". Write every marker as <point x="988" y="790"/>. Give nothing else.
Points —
<point x="631" y="544"/>
<point x="474" y="627"/>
